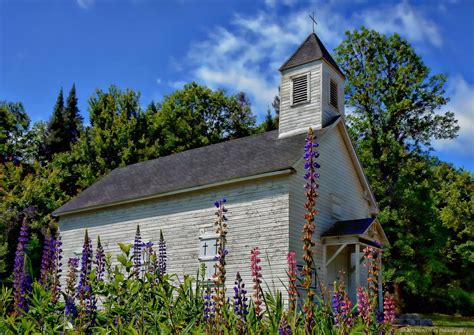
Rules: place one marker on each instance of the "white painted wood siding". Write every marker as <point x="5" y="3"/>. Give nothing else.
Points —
<point x="258" y="216"/>
<point x="338" y="177"/>
<point x="328" y="73"/>
<point x="297" y="118"/>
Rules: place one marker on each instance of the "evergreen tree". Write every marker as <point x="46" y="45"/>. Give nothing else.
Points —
<point x="269" y="121"/>
<point x="56" y="133"/>
<point x="72" y="118"/>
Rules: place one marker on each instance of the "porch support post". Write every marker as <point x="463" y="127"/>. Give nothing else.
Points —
<point x="380" y="281"/>
<point x="325" y="268"/>
<point x="357" y="265"/>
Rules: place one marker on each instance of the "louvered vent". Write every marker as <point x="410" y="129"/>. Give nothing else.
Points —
<point x="333" y="93"/>
<point x="300" y="89"/>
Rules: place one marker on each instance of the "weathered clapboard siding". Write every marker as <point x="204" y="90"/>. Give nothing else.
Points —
<point x="328" y="73"/>
<point x="300" y="117"/>
<point x="339" y="178"/>
<point x="258" y="216"/>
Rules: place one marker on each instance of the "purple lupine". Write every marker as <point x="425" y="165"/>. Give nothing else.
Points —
<point x="284" y="328"/>
<point x="90" y="311"/>
<point x="162" y="254"/>
<point x="137" y="252"/>
<point x="86" y="267"/>
<point x="342" y="308"/>
<point x="55" y="268"/>
<point x="99" y="261"/>
<point x="20" y="279"/>
<point x="240" y="298"/>
<point x="209" y="305"/>
<point x="71" y="278"/>
<point x="46" y="259"/>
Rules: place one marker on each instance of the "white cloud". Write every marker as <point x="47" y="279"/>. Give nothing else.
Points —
<point x="462" y="104"/>
<point x="158" y="81"/>
<point x="405" y="20"/>
<point x="246" y="54"/>
<point x="85" y="4"/>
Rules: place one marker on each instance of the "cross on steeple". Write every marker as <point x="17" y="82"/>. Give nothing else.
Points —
<point x="314" y="20"/>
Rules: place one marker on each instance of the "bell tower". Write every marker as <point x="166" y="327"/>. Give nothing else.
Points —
<point x="311" y="89"/>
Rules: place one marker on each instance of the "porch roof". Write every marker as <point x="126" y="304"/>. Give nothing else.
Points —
<point x="367" y="230"/>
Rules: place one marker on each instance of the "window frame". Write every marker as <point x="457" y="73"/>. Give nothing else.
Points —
<point x="208" y="260"/>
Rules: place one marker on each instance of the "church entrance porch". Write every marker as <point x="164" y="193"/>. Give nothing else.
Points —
<point x="343" y="256"/>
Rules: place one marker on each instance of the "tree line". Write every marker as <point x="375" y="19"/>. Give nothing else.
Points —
<point x="426" y="205"/>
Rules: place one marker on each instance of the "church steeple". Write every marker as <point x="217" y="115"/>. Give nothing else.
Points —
<point x="311" y="89"/>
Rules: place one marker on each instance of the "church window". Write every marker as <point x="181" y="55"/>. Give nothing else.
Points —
<point x="333" y="98"/>
<point x="207" y="253"/>
<point x="300" y="89"/>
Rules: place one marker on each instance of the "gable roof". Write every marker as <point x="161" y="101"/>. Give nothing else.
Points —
<point x="310" y="50"/>
<point x="244" y="157"/>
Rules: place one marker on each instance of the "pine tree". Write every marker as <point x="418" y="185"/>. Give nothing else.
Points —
<point x="72" y="118"/>
<point x="269" y="121"/>
<point x="56" y="129"/>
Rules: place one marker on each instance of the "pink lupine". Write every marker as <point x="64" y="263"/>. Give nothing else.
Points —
<point x="292" y="277"/>
<point x="388" y="309"/>
<point x="256" y="270"/>
<point x="363" y="306"/>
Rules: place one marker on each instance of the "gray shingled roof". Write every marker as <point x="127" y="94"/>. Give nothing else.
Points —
<point x="248" y="156"/>
<point x="349" y="227"/>
<point x="310" y="50"/>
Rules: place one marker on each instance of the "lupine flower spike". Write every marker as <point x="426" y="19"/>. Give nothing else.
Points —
<point x="342" y="308"/>
<point x="20" y="278"/>
<point x="137" y="252"/>
<point x="71" y="278"/>
<point x="162" y="254"/>
<point x="86" y="297"/>
<point x="364" y="307"/>
<point x="284" y="328"/>
<point x="99" y="261"/>
<point x="240" y="298"/>
<point x="46" y="259"/>
<point x="220" y="275"/>
<point x="256" y="270"/>
<point x="56" y="268"/>
<point x="209" y="310"/>
<point x="388" y="309"/>
<point x="292" y="277"/>
<point x="308" y="229"/>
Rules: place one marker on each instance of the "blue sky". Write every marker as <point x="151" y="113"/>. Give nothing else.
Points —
<point x="156" y="46"/>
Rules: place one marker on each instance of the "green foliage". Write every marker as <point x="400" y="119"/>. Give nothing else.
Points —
<point x="14" y="124"/>
<point x="426" y="207"/>
<point x="152" y="304"/>
<point x="46" y="165"/>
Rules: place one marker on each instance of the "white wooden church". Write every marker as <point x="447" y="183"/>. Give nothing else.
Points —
<point x="261" y="176"/>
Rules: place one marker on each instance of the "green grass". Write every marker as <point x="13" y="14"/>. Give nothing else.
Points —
<point x="443" y="320"/>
